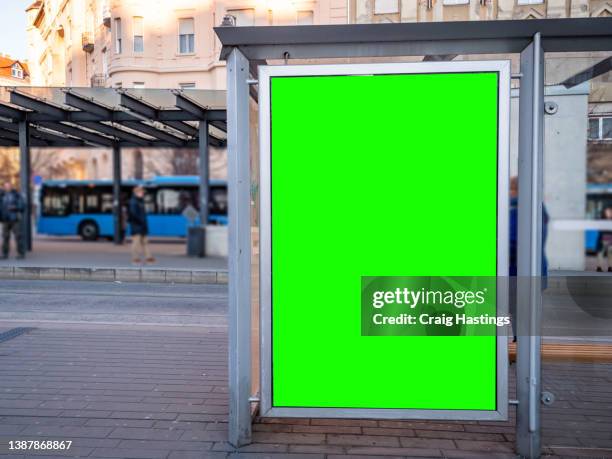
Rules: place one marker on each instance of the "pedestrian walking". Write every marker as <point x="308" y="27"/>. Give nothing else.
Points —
<point x="138" y="227"/>
<point x="12" y="209"/>
<point x="604" y="243"/>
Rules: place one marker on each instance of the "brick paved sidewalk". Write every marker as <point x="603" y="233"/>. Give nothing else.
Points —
<point x="161" y="392"/>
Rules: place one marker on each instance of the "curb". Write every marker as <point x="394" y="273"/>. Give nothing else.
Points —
<point x="167" y="276"/>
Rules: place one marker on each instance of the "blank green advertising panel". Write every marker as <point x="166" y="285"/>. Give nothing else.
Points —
<point x="385" y="178"/>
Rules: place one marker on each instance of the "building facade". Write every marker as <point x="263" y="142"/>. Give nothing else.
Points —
<point x="171" y="44"/>
<point x="149" y="43"/>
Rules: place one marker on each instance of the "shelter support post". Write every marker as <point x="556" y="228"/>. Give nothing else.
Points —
<point x="529" y="298"/>
<point x="25" y="178"/>
<point x="117" y="213"/>
<point x="204" y="176"/>
<point x="239" y="249"/>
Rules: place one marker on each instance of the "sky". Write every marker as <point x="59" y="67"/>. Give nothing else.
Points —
<point x="13" y="30"/>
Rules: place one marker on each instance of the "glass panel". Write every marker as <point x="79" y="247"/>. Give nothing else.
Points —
<point x="218" y="201"/>
<point x="386" y="7"/>
<point x="594" y="128"/>
<point x="56" y="203"/>
<point x="186" y="26"/>
<point x="606" y="128"/>
<point x="138" y="34"/>
<point x="173" y="201"/>
<point x="106" y="203"/>
<point x="138" y="44"/>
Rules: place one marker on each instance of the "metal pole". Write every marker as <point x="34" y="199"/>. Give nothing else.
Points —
<point x="239" y="261"/>
<point x="25" y="180"/>
<point x="117" y="217"/>
<point x="529" y="298"/>
<point x="204" y="176"/>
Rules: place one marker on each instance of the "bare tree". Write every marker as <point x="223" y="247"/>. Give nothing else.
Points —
<point x="184" y="161"/>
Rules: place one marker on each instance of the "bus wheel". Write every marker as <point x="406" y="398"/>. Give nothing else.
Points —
<point x="88" y="230"/>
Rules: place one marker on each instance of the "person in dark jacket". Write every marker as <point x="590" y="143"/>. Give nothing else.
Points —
<point x="138" y="227"/>
<point x="12" y="210"/>
<point x="604" y="243"/>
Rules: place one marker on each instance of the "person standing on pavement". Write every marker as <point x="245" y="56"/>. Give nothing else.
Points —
<point x="138" y="227"/>
<point x="12" y="210"/>
<point x="604" y="243"/>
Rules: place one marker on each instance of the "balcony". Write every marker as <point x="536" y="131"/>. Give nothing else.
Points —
<point x="87" y="41"/>
<point x="98" y="80"/>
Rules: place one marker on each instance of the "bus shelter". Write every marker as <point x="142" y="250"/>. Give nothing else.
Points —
<point x="245" y="49"/>
<point x="114" y="119"/>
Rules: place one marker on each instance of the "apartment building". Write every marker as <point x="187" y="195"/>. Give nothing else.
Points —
<point x="149" y="43"/>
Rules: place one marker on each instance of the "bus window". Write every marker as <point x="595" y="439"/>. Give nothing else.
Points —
<point x="149" y="200"/>
<point x="173" y="200"/>
<point x="56" y="203"/>
<point x="218" y="201"/>
<point x="106" y="203"/>
<point x="92" y="203"/>
<point x="168" y="201"/>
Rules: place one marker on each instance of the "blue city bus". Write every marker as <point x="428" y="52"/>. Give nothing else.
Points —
<point x="84" y="207"/>
<point x="599" y="196"/>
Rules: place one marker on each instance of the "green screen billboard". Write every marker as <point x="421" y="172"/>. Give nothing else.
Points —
<point x="372" y="172"/>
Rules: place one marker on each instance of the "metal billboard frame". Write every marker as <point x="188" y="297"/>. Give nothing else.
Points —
<point x="502" y="68"/>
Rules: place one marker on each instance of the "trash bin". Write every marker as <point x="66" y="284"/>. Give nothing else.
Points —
<point x="196" y="241"/>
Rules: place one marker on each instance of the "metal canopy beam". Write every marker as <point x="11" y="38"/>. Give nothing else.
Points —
<point x="117" y="133"/>
<point x="187" y="104"/>
<point x="372" y="40"/>
<point x="13" y="113"/>
<point x="36" y="105"/>
<point x="79" y="133"/>
<point x="185" y="128"/>
<point x="138" y="105"/>
<point x="154" y="132"/>
<point x="89" y="105"/>
<point x="592" y="72"/>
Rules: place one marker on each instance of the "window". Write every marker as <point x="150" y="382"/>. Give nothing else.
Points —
<point x="17" y="71"/>
<point x="106" y="204"/>
<point x="173" y="201"/>
<point x="606" y="128"/>
<point x="600" y="128"/>
<point x="138" y="85"/>
<point x="244" y="17"/>
<point x="186" y="36"/>
<point x="187" y="85"/>
<point x="217" y="203"/>
<point x="118" y="36"/>
<point x="386" y="6"/>
<point x="55" y="202"/>
<point x="456" y="2"/>
<point x="105" y="63"/>
<point x="593" y="128"/>
<point x="529" y="2"/>
<point x="305" y="17"/>
<point x="138" y="25"/>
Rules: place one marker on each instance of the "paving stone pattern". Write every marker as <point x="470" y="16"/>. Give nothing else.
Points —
<point x="161" y="392"/>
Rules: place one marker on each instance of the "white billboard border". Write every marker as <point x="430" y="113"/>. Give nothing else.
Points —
<point x="502" y="67"/>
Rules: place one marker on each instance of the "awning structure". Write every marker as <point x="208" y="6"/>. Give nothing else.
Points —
<point x="106" y="117"/>
<point x="111" y="118"/>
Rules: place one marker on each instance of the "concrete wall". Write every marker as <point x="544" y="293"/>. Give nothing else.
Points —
<point x="564" y="170"/>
